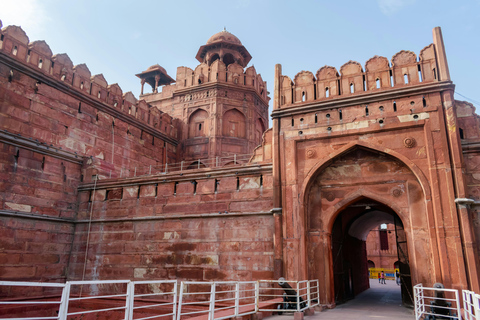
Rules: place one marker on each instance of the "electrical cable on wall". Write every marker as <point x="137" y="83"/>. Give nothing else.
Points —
<point x="88" y="232"/>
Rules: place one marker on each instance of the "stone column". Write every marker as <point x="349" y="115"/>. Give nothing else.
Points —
<point x="157" y="79"/>
<point x="443" y="71"/>
<point x="277" y="182"/>
<point x="143" y="85"/>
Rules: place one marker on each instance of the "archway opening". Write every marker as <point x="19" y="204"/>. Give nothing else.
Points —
<point x="213" y="58"/>
<point x="355" y="254"/>
<point x="228" y="59"/>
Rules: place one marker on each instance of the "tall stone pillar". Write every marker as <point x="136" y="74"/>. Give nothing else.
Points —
<point x="277" y="181"/>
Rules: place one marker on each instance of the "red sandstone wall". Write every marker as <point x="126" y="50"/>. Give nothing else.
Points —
<point x="382" y="258"/>
<point x="145" y="231"/>
<point x="35" y="184"/>
<point x="58" y="127"/>
<point x="33" y="250"/>
<point x="469" y="130"/>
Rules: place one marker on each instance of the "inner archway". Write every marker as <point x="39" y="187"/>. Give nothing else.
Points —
<point x="350" y="262"/>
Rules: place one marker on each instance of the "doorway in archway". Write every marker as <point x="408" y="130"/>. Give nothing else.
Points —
<point x="349" y="248"/>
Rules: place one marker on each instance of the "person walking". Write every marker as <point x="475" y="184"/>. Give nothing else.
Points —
<point x="382" y="276"/>
<point x="379" y="278"/>
<point x="397" y="277"/>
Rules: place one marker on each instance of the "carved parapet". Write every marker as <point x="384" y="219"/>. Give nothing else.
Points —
<point x="216" y="72"/>
<point x="304" y="87"/>
<point x="379" y="75"/>
<point x="405" y="68"/>
<point x="62" y="67"/>
<point x="351" y="79"/>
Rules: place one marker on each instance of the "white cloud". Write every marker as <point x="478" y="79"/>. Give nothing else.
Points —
<point x="389" y="7"/>
<point x="29" y="14"/>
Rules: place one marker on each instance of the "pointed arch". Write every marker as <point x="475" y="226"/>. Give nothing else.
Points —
<point x="234" y="124"/>
<point x="197" y="124"/>
<point x="325" y="161"/>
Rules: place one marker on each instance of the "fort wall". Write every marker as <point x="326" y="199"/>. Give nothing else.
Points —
<point x="60" y="127"/>
<point x="203" y="225"/>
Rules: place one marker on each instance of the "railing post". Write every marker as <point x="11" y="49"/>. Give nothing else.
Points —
<point x="298" y="296"/>
<point x="476" y="307"/>
<point x="237" y="298"/>
<point x="135" y="173"/>
<point x="174" y="316"/>
<point x="179" y="312"/>
<point x="150" y="171"/>
<point x="459" y="309"/>
<point x="308" y="294"/>
<point x="235" y="158"/>
<point x="257" y="296"/>
<point x="63" y="310"/>
<point x="216" y="161"/>
<point x="166" y="167"/>
<point x="198" y="164"/>
<point x="130" y="300"/>
<point x="211" y="310"/>
<point x="181" y="166"/>
<point x="465" y="304"/>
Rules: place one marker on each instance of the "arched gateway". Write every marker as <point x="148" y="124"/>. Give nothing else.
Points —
<point x="345" y="162"/>
<point x="347" y="197"/>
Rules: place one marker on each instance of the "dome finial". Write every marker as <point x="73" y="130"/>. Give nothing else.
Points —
<point x="224" y="28"/>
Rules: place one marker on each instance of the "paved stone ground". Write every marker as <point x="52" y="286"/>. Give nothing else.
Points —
<point x="381" y="301"/>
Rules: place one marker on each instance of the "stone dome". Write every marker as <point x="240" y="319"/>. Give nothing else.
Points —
<point x="224" y="36"/>
<point x="157" y="67"/>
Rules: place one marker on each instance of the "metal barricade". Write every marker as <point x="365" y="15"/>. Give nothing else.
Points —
<point x="436" y="303"/>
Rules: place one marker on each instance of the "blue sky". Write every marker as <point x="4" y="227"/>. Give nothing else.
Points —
<point x="121" y="38"/>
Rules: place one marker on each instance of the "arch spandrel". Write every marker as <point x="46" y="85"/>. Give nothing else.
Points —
<point x="356" y="174"/>
<point x="325" y="161"/>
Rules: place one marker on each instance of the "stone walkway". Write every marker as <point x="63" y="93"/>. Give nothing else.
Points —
<point x="379" y="302"/>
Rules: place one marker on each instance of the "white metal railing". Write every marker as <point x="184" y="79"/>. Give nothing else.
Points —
<point x="31" y="288"/>
<point x="232" y="160"/>
<point x="158" y="299"/>
<point x="81" y="294"/>
<point x="163" y="299"/>
<point x="471" y="305"/>
<point x="436" y="303"/>
<point x="142" y="300"/>
<point x="295" y="295"/>
<point x="217" y="300"/>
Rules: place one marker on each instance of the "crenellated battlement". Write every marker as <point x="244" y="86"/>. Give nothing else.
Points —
<point x="217" y="72"/>
<point x="379" y="74"/>
<point x="14" y="43"/>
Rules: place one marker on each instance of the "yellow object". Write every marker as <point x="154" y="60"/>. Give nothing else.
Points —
<point x="374" y="273"/>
